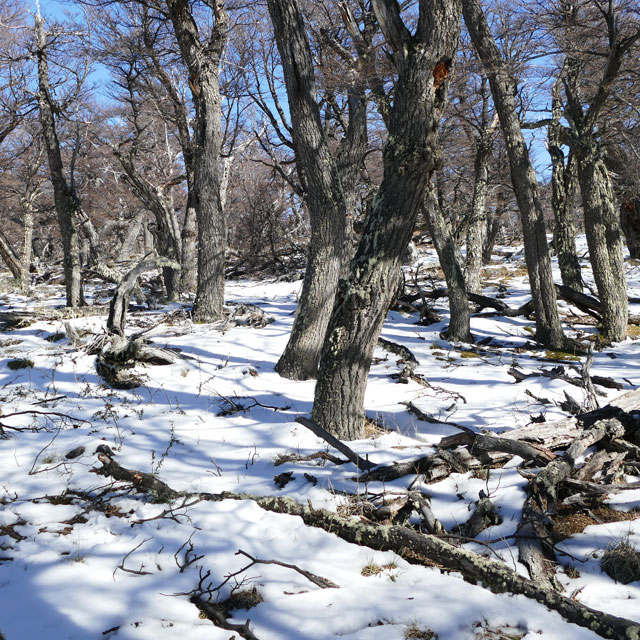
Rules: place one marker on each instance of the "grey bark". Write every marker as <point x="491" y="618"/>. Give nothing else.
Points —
<point x="630" y="222"/>
<point x="9" y="257"/>
<point x="459" y="322"/>
<point x="563" y="187"/>
<point x="504" y="89"/>
<point x="66" y="202"/>
<point x="604" y="239"/>
<point x="602" y="225"/>
<point x="411" y="154"/>
<point x="202" y="59"/>
<point x="167" y="239"/>
<point x="320" y="177"/>
<point x="477" y="221"/>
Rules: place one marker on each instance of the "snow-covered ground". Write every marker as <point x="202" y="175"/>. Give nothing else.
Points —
<point x="84" y="558"/>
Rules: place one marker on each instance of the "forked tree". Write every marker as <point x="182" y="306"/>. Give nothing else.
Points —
<point x="423" y="60"/>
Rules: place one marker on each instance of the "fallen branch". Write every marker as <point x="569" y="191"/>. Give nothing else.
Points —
<point x="359" y="461"/>
<point x="415" y="547"/>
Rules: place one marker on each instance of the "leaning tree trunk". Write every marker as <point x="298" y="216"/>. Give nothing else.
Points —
<point x="202" y="60"/>
<point x="324" y="195"/>
<point x="604" y="240"/>
<point x="523" y="177"/>
<point x="166" y="235"/>
<point x="65" y="200"/>
<point x="459" y="323"/>
<point x="563" y="186"/>
<point x="410" y="156"/>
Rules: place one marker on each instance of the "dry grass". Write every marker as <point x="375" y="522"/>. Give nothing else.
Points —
<point x="621" y="562"/>
<point x="571" y="520"/>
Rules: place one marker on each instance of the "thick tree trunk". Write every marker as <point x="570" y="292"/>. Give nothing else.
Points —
<point x="9" y="257"/>
<point x="604" y="239"/>
<point x="523" y="177"/>
<point x="66" y="202"/>
<point x="563" y="186"/>
<point x="459" y="323"/>
<point x="410" y="156"/>
<point x="202" y="60"/>
<point x="324" y="196"/>
<point x="128" y="247"/>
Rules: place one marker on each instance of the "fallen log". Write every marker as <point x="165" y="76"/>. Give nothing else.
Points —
<point x="411" y="545"/>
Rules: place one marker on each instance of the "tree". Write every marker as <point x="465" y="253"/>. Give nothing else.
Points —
<point x="202" y="50"/>
<point x="504" y="90"/>
<point x="66" y="200"/>
<point x="324" y="189"/>
<point x="585" y="101"/>
<point x="423" y="61"/>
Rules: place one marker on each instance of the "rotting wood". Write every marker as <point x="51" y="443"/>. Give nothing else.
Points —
<point x="413" y="546"/>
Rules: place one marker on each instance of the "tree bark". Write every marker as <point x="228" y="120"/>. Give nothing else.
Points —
<point x="202" y="60"/>
<point x="604" y="240"/>
<point x="459" y="316"/>
<point x="323" y="194"/>
<point x="477" y="222"/>
<point x="630" y="222"/>
<point x="66" y="202"/>
<point x="523" y="178"/>
<point x="410" y="156"/>
<point x="563" y="186"/>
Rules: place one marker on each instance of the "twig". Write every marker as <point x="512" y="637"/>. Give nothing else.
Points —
<point x="319" y="581"/>
<point x="138" y="572"/>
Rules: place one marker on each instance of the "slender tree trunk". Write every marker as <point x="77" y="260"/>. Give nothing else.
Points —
<point x="189" y="237"/>
<point x="459" y="324"/>
<point x="604" y="240"/>
<point x="25" y="260"/>
<point x="202" y="59"/>
<point x="411" y="154"/>
<point x="630" y="222"/>
<point x="65" y="201"/>
<point x="477" y="223"/>
<point x="523" y="177"/>
<point x="324" y="194"/>
<point x="563" y="186"/>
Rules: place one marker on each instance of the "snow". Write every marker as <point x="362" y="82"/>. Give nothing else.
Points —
<point x="115" y="566"/>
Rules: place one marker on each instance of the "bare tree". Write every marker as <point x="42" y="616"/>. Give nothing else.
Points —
<point x="423" y="60"/>
<point x="504" y="90"/>
<point x="66" y="200"/>
<point x="322" y="180"/>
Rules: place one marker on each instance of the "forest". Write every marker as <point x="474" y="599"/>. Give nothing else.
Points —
<point x="320" y="319"/>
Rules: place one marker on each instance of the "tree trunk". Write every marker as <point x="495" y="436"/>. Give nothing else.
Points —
<point x="167" y="239"/>
<point x="604" y="240"/>
<point x="202" y="60"/>
<point x="188" y="274"/>
<point x="66" y="202"/>
<point x="25" y="259"/>
<point x="563" y="186"/>
<point x="411" y="154"/>
<point x="630" y="222"/>
<point x="477" y="222"/>
<point x="128" y="248"/>
<point x="523" y="177"/>
<point x="324" y="195"/>
<point x="459" y="322"/>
